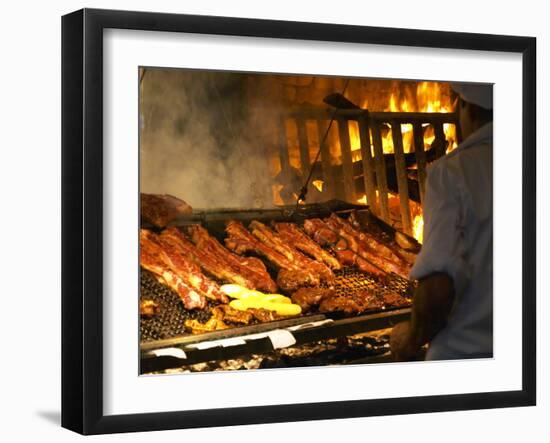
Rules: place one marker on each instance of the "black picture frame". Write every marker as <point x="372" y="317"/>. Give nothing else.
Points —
<point x="82" y="218"/>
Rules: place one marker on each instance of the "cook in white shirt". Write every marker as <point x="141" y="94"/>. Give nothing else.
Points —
<point x="453" y="304"/>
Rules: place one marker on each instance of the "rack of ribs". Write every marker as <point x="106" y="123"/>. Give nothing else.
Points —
<point x="359" y="302"/>
<point x="368" y="240"/>
<point x="347" y="248"/>
<point x="320" y="232"/>
<point x="293" y="235"/>
<point x="407" y="256"/>
<point x="368" y="250"/>
<point x="150" y="259"/>
<point x="183" y="265"/>
<point x="240" y="241"/>
<point x="249" y="272"/>
<point x="349" y="258"/>
<point x="210" y="262"/>
<point x="295" y="273"/>
<point x="270" y="238"/>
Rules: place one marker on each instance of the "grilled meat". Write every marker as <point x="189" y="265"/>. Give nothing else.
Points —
<point x="211" y="263"/>
<point x="347" y="247"/>
<point x="291" y="279"/>
<point x="310" y="297"/>
<point x="295" y="269"/>
<point x="406" y="243"/>
<point x="393" y="300"/>
<point x="231" y="315"/>
<point x="148" y="308"/>
<point x="363" y="246"/>
<point x="409" y="257"/>
<point x="367" y="240"/>
<point x="349" y="258"/>
<point x="273" y="240"/>
<point x="320" y="232"/>
<point x="159" y="210"/>
<point x="293" y="235"/>
<point x="213" y="324"/>
<point x="224" y="315"/>
<point x="404" y="247"/>
<point x="351" y="304"/>
<point x="264" y="315"/>
<point x="249" y="272"/>
<point x="174" y="255"/>
<point x="150" y="259"/>
<point x="367" y="300"/>
<point x="340" y="304"/>
<point x="241" y="241"/>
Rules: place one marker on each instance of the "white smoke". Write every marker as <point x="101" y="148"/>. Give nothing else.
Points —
<point x="199" y="141"/>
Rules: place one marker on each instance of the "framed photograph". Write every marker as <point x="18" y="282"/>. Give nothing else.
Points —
<point x="269" y="221"/>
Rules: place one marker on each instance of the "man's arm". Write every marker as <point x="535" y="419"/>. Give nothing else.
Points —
<point x="432" y="304"/>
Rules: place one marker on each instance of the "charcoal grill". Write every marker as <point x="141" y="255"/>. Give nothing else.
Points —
<point x="165" y="344"/>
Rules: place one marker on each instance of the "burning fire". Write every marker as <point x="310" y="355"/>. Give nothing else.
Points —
<point x="418" y="228"/>
<point x="318" y="184"/>
<point x="425" y="97"/>
<point x="416" y="213"/>
<point x="380" y="96"/>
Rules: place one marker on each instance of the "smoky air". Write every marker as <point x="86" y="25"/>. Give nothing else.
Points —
<point x="203" y="138"/>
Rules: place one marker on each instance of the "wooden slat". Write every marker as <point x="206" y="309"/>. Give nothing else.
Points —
<point x="328" y="177"/>
<point x="420" y="158"/>
<point x="304" y="147"/>
<point x="401" y="173"/>
<point x="440" y="135"/>
<point x="347" y="164"/>
<point x="368" y="166"/>
<point x="381" y="179"/>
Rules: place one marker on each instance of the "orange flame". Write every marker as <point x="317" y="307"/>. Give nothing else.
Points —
<point x="318" y="184"/>
<point x="418" y="228"/>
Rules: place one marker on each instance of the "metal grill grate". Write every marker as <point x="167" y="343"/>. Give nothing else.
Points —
<point x="350" y="281"/>
<point x="170" y="321"/>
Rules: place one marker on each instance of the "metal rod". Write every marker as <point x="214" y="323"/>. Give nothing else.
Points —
<point x="314" y="112"/>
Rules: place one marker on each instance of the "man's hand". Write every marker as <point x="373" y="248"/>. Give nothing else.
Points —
<point x="432" y="303"/>
<point x="403" y="345"/>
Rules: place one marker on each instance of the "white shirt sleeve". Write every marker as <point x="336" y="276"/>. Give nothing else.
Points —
<point x="442" y="249"/>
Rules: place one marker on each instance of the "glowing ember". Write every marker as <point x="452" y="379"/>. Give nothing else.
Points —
<point x="393" y="204"/>
<point x="362" y="200"/>
<point x="318" y="184"/>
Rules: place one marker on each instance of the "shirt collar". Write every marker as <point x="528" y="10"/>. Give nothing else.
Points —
<point x="483" y="134"/>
